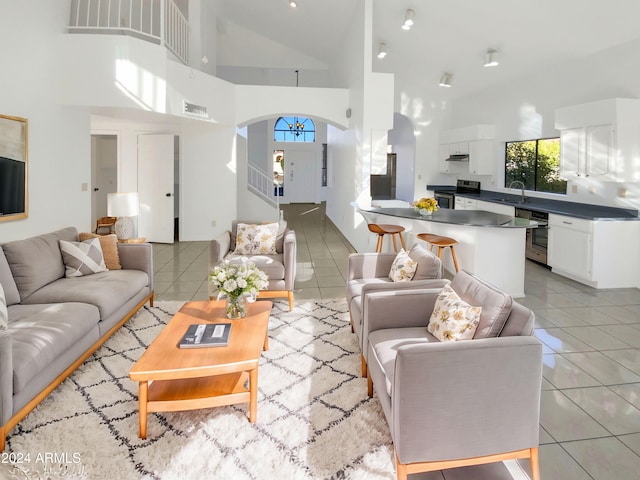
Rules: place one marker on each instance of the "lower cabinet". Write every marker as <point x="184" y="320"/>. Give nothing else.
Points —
<point x="570" y="248"/>
<point x="496" y="208"/>
<point x="466" y="203"/>
<point x="598" y="253"/>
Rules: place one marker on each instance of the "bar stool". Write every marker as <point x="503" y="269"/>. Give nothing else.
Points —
<point x="382" y="229"/>
<point x="441" y="242"/>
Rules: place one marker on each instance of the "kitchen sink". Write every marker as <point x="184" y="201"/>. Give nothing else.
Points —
<point x="510" y="200"/>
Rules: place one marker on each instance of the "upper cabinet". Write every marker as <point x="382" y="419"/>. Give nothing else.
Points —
<point x="600" y="139"/>
<point x="468" y="149"/>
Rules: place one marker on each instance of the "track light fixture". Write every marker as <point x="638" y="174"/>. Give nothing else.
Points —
<point x="382" y="50"/>
<point x="491" y="58"/>
<point x="408" y="19"/>
<point x="445" y="80"/>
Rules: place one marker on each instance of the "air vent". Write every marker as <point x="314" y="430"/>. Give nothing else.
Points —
<point x="195" y="110"/>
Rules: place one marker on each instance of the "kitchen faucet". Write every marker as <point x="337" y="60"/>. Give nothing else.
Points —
<point x="521" y="186"/>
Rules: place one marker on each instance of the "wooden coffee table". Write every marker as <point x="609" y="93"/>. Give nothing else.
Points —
<point x="174" y="379"/>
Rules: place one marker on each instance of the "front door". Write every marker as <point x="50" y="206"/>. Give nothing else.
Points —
<point x="299" y="175"/>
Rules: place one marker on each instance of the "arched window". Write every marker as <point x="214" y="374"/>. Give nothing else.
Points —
<point x="294" y="129"/>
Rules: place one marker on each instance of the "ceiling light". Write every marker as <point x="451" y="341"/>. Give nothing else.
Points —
<point x="491" y="58"/>
<point x="445" y="80"/>
<point x="408" y="19"/>
<point x="293" y="4"/>
<point x="382" y="50"/>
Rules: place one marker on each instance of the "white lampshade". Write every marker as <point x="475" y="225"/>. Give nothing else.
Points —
<point x="123" y="204"/>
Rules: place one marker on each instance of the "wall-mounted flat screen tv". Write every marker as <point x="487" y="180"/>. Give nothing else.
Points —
<point x="12" y="186"/>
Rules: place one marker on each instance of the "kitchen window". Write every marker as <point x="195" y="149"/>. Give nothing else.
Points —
<point x="535" y="163"/>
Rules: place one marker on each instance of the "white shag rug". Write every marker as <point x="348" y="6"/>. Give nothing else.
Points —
<point x="314" y="417"/>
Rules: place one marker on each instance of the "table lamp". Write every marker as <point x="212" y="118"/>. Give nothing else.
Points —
<point x="124" y="206"/>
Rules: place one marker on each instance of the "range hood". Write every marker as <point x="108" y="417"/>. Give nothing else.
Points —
<point x="458" y="157"/>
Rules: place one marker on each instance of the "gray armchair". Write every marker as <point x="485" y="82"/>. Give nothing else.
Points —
<point x="280" y="268"/>
<point x="369" y="272"/>
<point x="455" y="403"/>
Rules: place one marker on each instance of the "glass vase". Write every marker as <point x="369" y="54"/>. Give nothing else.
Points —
<point x="236" y="306"/>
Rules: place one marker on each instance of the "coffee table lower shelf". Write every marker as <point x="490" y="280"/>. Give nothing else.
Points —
<point x="196" y="393"/>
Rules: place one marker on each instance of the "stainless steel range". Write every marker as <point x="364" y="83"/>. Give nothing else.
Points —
<point x="446" y="198"/>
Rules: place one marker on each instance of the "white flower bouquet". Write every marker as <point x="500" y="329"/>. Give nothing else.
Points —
<point x="236" y="279"/>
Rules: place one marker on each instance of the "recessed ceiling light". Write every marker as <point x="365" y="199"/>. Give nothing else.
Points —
<point x="408" y="19"/>
<point x="382" y="50"/>
<point x="293" y="4"/>
<point x="491" y="58"/>
<point x="445" y="80"/>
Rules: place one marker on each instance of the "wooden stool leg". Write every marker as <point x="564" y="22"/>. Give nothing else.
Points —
<point x="379" y="244"/>
<point x="395" y="245"/>
<point x="440" y="252"/>
<point x="402" y="241"/>
<point x="455" y="261"/>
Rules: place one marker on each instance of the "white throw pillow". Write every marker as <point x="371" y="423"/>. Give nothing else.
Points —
<point x="256" y="239"/>
<point x="4" y="314"/>
<point x="453" y="318"/>
<point x="403" y="267"/>
<point x="82" y="258"/>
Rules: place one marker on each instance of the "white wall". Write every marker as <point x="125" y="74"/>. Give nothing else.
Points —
<point x="59" y="148"/>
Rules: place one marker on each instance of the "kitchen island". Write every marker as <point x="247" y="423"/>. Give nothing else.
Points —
<point x="490" y="245"/>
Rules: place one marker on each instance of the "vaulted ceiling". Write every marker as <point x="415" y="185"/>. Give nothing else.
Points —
<point x="448" y="36"/>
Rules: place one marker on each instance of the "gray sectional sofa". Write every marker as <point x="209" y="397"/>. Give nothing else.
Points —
<point x="55" y="322"/>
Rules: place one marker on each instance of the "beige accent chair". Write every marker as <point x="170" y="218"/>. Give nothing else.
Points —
<point x="455" y="403"/>
<point x="280" y="268"/>
<point x="369" y="272"/>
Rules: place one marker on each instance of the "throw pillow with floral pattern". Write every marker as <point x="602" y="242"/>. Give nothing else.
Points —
<point x="452" y="318"/>
<point x="403" y="267"/>
<point x="256" y="239"/>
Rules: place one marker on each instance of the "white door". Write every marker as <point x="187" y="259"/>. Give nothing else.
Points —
<point x="155" y="187"/>
<point x="300" y="175"/>
<point x="104" y="178"/>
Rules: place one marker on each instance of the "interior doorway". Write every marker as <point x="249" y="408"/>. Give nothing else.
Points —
<point x="104" y="173"/>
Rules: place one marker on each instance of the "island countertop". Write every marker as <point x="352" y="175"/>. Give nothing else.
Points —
<point x="474" y="218"/>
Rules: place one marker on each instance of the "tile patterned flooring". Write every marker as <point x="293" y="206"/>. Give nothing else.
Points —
<point x="590" y="412"/>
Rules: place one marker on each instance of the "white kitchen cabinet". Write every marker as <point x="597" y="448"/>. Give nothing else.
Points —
<point x="452" y="166"/>
<point x="600" y="139"/>
<point x="481" y="157"/>
<point x="463" y="203"/>
<point x="570" y="246"/>
<point x="588" y="151"/>
<point x="598" y="253"/>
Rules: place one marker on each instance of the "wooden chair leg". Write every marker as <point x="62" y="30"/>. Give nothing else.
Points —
<point x="364" y="365"/>
<point x="455" y="261"/>
<point x="379" y="244"/>
<point x="401" y="470"/>
<point x="402" y="241"/>
<point x="291" y="302"/>
<point x="395" y="244"/>
<point x="535" y="464"/>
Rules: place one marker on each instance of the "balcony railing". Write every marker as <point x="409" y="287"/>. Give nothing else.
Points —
<point x="158" y="21"/>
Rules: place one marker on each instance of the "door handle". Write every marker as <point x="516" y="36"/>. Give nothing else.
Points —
<point x="96" y="189"/>
<point x="168" y="194"/>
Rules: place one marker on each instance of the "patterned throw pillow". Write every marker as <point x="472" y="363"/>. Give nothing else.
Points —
<point x="256" y="239"/>
<point x="452" y="318"/>
<point x="4" y="314"/>
<point x="82" y="258"/>
<point x="403" y="267"/>
<point x="109" y="246"/>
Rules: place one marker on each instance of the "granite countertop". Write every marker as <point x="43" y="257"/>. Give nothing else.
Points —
<point x="475" y="218"/>
<point x="558" y="207"/>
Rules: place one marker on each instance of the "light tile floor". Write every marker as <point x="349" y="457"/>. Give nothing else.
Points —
<point x="590" y="412"/>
